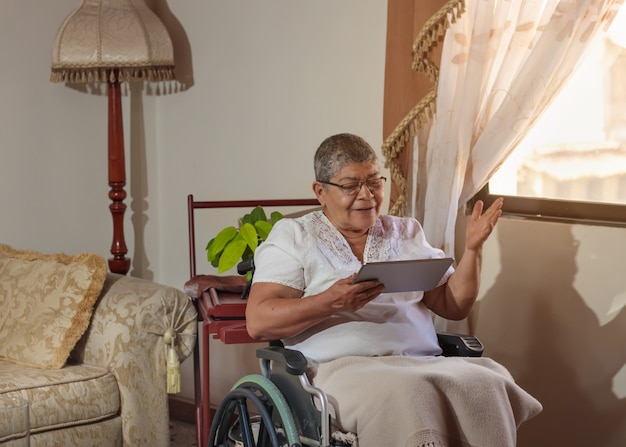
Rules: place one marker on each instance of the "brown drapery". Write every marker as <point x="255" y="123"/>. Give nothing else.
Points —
<point x="414" y="29"/>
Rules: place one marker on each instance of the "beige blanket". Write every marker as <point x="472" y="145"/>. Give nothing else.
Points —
<point x="441" y="402"/>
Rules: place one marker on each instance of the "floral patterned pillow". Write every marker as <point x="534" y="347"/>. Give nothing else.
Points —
<point x="46" y="302"/>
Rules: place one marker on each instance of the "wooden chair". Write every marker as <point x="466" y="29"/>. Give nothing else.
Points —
<point x="222" y="315"/>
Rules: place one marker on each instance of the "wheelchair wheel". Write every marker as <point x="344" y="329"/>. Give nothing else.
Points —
<point x="257" y="412"/>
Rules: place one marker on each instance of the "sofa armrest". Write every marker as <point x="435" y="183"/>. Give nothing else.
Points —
<point x="125" y="335"/>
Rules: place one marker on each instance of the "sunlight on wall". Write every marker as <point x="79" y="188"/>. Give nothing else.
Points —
<point x="595" y="245"/>
<point x="491" y="263"/>
<point x="619" y="380"/>
<point x="617" y="304"/>
<point x="619" y="383"/>
<point x="593" y="251"/>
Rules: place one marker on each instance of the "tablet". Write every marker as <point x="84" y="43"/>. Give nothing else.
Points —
<point x="406" y="276"/>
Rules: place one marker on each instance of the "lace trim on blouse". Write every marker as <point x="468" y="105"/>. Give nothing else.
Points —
<point x="334" y="245"/>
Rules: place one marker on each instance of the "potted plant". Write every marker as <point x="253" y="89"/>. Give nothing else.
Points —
<point x="233" y="245"/>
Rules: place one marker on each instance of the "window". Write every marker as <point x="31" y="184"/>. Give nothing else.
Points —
<point x="572" y="164"/>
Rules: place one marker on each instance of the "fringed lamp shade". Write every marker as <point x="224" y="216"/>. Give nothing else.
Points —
<point x="113" y="41"/>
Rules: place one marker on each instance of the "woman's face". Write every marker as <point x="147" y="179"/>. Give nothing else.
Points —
<point x="352" y="212"/>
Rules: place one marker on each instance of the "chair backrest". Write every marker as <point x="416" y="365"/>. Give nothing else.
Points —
<point x="193" y="205"/>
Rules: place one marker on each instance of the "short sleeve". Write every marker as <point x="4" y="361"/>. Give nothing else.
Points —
<point x="276" y="259"/>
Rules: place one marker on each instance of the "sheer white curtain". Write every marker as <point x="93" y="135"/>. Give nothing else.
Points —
<point x="502" y="64"/>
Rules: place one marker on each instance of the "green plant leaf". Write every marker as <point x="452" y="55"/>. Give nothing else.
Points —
<point x="231" y="254"/>
<point x="263" y="227"/>
<point x="276" y="216"/>
<point x="208" y="249"/>
<point x="249" y="234"/>
<point x="220" y="241"/>
<point x="247" y="254"/>
<point x="246" y="218"/>
<point x="233" y="244"/>
<point x="213" y="259"/>
<point x="258" y="214"/>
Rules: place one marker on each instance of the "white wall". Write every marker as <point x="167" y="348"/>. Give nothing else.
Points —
<point x="263" y="82"/>
<point x="53" y="172"/>
<point x="552" y="311"/>
<point x="271" y="79"/>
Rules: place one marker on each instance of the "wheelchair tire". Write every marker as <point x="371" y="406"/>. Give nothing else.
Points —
<point x="255" y="392"/>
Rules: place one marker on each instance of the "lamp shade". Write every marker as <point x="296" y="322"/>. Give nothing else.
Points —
<point x="112" y="41"/>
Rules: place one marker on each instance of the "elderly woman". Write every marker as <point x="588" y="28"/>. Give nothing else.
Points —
<point x="379" y="360"/>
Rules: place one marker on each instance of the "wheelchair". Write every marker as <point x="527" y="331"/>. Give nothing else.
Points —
<point x="280" y="407"/>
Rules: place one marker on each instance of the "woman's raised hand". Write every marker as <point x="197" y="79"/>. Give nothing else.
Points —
<point x="482" y="224"/>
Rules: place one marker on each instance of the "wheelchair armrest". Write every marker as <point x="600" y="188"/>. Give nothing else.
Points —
<point x="455" y="345"/>
<point x="295" y="362"/>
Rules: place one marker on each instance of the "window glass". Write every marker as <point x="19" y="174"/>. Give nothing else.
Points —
<point x="576" y="152"/>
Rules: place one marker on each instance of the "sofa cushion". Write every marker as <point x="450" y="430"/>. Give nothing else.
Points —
<point x="46" y="302"/>
<point x="65" y="397"/>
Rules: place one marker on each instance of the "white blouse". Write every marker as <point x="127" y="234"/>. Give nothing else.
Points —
<point x="310" y="254"/>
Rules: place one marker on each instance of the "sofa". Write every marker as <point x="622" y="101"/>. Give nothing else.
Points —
<point x="95" y="353"/>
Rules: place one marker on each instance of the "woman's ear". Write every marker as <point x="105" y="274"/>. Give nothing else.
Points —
<point x="319" y="191"/>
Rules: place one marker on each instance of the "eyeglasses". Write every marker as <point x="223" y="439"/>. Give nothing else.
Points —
<point x="353" y="188"/>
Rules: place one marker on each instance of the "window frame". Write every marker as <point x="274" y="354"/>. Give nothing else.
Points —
<point x="558" y="209"/>
<point x="552" y="210"/>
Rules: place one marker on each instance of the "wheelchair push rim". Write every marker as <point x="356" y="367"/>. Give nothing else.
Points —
<point x="276" y="426"/>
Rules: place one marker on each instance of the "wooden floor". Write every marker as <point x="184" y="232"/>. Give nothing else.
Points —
<point x="182" y="422"/>
<point x="182" y="434"/>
